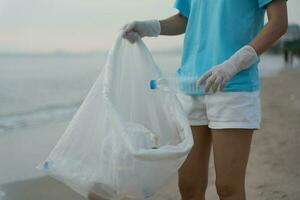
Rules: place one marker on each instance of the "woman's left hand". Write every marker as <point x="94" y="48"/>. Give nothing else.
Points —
<point x="217" y="77"/>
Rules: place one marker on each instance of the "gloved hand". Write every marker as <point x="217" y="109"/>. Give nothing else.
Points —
<point x="136" y="29"/>
<point x="217" y="77"/>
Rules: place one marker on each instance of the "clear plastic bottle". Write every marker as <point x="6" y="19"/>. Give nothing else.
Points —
<point x="185" y="84"/>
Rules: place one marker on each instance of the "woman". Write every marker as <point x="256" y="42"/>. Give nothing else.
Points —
<point x="223" y="39"/>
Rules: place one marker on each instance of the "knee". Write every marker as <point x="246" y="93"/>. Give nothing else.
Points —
<point x="192" y="190"/>
<point x="230" y="190"/>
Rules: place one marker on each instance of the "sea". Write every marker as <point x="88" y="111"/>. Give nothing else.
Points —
<point x="39" y="89"/>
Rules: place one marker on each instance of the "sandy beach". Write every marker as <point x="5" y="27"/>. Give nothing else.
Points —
<point x="273" y="170"/>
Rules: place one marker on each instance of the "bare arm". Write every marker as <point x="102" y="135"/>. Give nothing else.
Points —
<point x="274" y="29"/>
<point x="174" y="25"/>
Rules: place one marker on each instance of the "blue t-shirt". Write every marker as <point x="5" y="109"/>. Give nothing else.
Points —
<point x="216" y="29"/>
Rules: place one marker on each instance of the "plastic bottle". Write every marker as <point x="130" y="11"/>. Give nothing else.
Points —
<point x="186" y="85"/>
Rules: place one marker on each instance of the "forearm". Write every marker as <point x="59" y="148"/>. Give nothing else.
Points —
<point x="274" y="29"/>
<point x="174" y="25"/>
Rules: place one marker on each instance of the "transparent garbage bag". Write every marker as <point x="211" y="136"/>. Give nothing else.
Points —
<point x="125" y="141"/>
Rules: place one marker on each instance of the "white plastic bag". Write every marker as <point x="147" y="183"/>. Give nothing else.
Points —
<point x="125" y="141"/>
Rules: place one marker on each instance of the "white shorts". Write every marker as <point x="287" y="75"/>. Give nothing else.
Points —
<point x="223" y="110"/>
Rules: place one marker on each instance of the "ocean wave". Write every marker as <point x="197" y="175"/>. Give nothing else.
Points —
<point x="53" y="113"/>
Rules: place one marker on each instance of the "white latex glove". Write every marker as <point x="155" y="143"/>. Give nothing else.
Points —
<point x="138" y="29"/>
<point x="217" y="77"/>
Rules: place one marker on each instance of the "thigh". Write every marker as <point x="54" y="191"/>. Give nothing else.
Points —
<point x="231" y="149"/>
<point x="196" y="163"/>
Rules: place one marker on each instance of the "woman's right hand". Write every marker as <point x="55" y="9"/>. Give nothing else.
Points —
<point x="138" y="29"/>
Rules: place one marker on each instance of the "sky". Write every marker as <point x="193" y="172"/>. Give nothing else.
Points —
<point x="83" y="25"/>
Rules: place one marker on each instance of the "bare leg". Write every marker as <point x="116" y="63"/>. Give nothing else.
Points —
<point x="193" y="174"/>
<point x="231" y="149"/>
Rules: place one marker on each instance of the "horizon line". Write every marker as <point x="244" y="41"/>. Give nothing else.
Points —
<point x="79" y="53"/>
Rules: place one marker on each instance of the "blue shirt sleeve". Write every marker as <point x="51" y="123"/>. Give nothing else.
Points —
<point x="183" y="6"/>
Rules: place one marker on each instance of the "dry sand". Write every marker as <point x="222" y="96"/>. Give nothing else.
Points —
<point x="273" y="170"/>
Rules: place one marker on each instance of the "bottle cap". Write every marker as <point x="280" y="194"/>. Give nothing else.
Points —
<point x="153" y="84"/>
